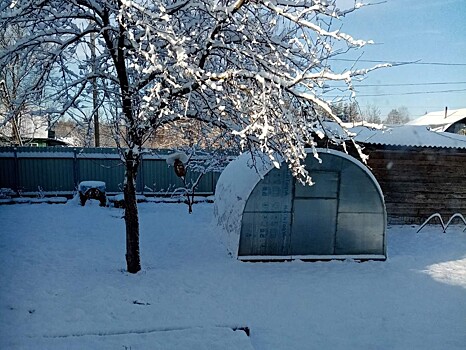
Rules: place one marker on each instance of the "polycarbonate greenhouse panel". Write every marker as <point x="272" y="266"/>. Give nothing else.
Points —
<point x="314" y="224"/>
<point x="329" y="162"/>
<point x="360" y="234"/>
<point x="326" y="186"/>
<point x="342" y="214"/>
<point x="357" y="193"/>
<point x="265" y="234"/>
<point x="273" y="193"/>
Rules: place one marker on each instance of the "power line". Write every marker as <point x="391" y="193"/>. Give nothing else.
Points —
<point x="399" y="62"/>
<point x="405" y="84"/>
<point x="413" y="93"/>
<point x="411" y="84"/>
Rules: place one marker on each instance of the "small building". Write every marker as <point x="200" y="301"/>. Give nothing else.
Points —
<point x="266" y="214"/>
<point x="420" y="171"/>
<point x="453" y="121"/>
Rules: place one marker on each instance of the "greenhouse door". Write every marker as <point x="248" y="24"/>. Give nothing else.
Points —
<point x="314" y="219"/>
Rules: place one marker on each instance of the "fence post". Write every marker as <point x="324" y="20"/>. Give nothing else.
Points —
<point x="75" y="169"/>
<point x="17" y="180"/>
<point x="141" y="173"/>
<point x="212" y="178"/>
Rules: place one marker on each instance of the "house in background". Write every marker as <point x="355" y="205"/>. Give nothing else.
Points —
<point x="453" y="121"/>
<point x="28" y="131"/>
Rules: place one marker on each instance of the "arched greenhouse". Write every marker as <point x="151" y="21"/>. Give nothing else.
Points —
<point x="265" y="214"/>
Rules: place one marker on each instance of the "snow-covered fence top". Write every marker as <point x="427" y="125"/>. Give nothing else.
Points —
<point x="71" y="152"/>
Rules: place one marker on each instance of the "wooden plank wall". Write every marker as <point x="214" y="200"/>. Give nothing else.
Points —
<point x="418" y="182"/>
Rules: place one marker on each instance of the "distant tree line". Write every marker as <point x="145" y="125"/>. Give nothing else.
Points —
<point x="350" y="112"/>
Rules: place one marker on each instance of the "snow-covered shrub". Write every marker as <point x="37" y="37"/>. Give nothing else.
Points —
<point x="6" y="193"/>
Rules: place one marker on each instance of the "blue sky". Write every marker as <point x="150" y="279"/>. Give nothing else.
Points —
<point x="428" y="31"/>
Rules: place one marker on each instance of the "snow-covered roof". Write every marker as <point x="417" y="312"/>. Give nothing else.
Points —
<point x="399" y="135"/>
<point x="438" y="121"/>
<point x="409" y="136"/>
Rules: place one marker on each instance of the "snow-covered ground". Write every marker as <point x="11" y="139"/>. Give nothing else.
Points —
<point x="63" y="286"/>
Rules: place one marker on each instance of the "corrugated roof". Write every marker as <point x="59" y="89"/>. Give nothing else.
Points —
<point x="438" y="120"/>
<point x="409" y="136"/>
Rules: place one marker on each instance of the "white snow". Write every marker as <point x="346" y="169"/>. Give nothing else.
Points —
<point x="63" y="285"/>
<point x="234" y="186"/>
<point x="85" y="185"/>
<point x="181" y="156"/>
<point x="397" y="135"/>
<point x="29" y="200"/>
<point x="440" y="120"/>
<point x="409" y="135"/>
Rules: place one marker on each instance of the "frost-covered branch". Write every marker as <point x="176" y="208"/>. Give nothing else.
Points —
<point x="250" y="72"/>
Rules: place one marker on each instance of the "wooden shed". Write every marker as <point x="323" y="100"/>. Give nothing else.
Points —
<point x="421" y="172"/>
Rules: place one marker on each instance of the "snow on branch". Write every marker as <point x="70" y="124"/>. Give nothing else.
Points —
<point x="251" y="71"/>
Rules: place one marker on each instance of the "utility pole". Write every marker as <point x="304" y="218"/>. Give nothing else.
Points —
<point x="95" y="101"/>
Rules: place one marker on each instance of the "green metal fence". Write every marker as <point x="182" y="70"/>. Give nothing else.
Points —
<point x="59" y="170"/>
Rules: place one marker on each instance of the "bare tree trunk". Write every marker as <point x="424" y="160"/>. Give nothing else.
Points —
<point x="95" y="94"/>
<point x="16" y="133"/>
<point x="133" y="262"/>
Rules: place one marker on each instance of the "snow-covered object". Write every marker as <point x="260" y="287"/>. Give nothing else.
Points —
<point x="86" y="185"/>
<point x="440" y="120"/>
<point x="350" y="125"/>
<point x="234" y="186"/>
<point x="409" y="136"/>
<point x="70" y="140"/>
<point x="6" y="193"/>
<point x="263" y="213"/>
<point x="399" y="135"/>
<point x="177" y="155"/>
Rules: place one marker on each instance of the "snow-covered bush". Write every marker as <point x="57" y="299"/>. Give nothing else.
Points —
<point x="6" y="193"/>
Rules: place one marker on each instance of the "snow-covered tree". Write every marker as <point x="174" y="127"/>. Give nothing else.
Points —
<point x="372" y="114"/>
<point x="397" y="116"/>
<point x="19" y="100"/>
<point x="347" y="112"/>
<point x="253" y="68"/>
